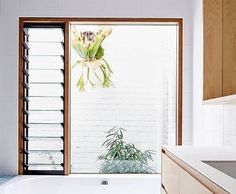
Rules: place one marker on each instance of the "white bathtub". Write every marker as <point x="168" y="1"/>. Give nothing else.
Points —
<point x="83" y="184"/>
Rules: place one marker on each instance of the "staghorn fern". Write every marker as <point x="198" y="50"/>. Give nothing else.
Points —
<point x="94" y="69"/>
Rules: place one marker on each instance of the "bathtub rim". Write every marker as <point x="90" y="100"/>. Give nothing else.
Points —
<point x="24" y="178"/>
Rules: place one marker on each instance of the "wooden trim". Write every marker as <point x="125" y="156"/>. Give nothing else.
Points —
<point x="20" y="102"/>
<point x="67" y="102"/>
<point x="214" y="188"/>
<point x="104" y="20"/>
<point x="179" y="134"/>
<point x="66" y="21"/>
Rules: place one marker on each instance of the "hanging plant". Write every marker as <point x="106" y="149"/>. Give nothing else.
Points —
<point x="93" y="68"/>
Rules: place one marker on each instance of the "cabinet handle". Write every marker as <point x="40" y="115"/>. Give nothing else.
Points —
<point x="163" y="187"/>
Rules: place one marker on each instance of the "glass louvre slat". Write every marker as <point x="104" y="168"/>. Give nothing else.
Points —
<point x="50" y="48"/>
<point x="46" y="34"/>
<point x="26" y="46"/>
<point x="26" y="34"/>
<point x="45" y="117"/>
<point x="47" y="103"/>
<point x="45" y="157"/>
<point x="45" y="130"/>
<point x="46" y="90"/>
<point x="46" y="62"/>
<point x="45" y="137"/>
<point x="51" y="76"/>
<point x="45" y="144"/>
<point x="45" y="167"/>
<point x="26" y="59"/>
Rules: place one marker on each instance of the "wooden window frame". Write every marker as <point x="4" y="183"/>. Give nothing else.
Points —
<point x="66" y="22"/>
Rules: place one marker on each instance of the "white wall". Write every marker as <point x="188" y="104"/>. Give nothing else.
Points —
<point x="212" y="124"/>
<point x="10" y="10"/>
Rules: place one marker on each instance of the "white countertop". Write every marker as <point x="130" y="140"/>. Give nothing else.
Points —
<point x="193" y="156"/>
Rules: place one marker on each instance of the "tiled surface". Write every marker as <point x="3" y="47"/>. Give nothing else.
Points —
<point x="229" y="132"/>
<point x="4" y="179"/>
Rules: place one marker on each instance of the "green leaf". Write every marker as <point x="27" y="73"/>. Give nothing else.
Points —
<point x="80" y="84"/>
<point x="80" y="49"/>
<point x="108" y="66"/>
<point x="93" y="48"/>
<point x="100" y="53"/>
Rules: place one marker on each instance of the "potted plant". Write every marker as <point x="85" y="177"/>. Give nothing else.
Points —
<point x="122" y="157"/>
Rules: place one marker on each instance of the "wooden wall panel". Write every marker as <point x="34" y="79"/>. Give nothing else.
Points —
<point x="229" y="47"/>
<point x="212" y="49"/>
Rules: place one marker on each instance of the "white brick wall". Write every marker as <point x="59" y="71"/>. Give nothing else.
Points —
<point x="142" y="101"/>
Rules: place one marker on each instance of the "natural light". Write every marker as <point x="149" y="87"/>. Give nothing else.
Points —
<point x="139" y="102"/>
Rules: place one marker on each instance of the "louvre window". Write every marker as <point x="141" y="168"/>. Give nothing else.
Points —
<point x="43" y="99"/>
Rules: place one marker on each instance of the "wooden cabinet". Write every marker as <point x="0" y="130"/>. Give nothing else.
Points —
<point x="213" y="77"/>
<point x="219" y="48"/>
<point x="170" y="176"/>
<point x="175" y="180"/>
<point x="188" y="184"/>
<point x="229" y="47"/>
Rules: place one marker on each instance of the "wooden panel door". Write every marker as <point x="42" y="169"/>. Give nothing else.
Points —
<point x="170" y="175"/>
<point x="212" y="83"/>
<point x="229" y="47"/>
<point x="188" y="184"/>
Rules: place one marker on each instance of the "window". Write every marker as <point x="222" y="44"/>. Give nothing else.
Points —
<point x="62" y="129"/>
<point x="141" y="100"/>
<point x="43" y="81"/>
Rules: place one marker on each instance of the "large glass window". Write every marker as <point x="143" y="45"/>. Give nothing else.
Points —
<point x="123" y="96"/>
<point x="106" y="91"/>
